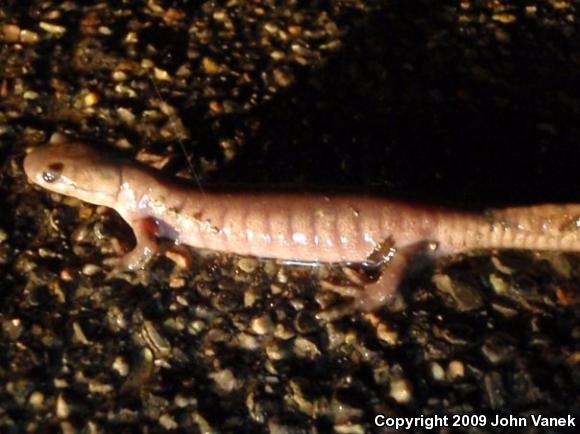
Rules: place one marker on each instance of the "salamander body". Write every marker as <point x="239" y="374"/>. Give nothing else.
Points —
<point x="300" y="227"/>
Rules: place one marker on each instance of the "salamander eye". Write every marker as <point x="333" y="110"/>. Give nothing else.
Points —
<point x="53" y="173"/>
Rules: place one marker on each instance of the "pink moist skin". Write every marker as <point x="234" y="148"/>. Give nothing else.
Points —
<point x="298" y="227"/>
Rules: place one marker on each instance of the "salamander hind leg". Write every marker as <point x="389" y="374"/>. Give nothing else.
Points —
<point x="391" y="264"/>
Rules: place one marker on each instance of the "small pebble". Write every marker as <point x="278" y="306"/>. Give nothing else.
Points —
<point x="306" y="348"/>
<point x="499" y="285"/>
<point x="91" y="269"/>
<point x="177" y="282"/>
<point x="283" y="332"/>
<point x="62" y="407"/>
<point x="248" y="265"/>
<point x="67" y="428"/>
<point x="12" y="328"/>
<point x="196" y="327"/>
<point x="30" y="95"/>
<point x="283" y="77"/>
<point x="248" y="341"/>
<point x="437" y="371"/>
<point x="386" y="334"/>
<point x="179" y="256"/>
<point x="282" y="276"/>
<point x="97" y="387"/>
<point x="349" y="428"/>
<point x="161" y="74"/>
<point x="121" y="366"/>
<point x="52" y="28"/>
<point x="455" y="370"/>
<point x="210" y="66"/>
<point x="60" y="383"/>
<point x="225" y="380"/>
<point x="36" y="399"/>
<point x="504" y="18"/>
<point x="119" y="76"/>
<point x="464" y="296"/>
<point x="126" y="115"/>
<point x="250" y="297"/>
<point x="79" y="335"/>
<point x="91" y="99"/>
<point x="262" y="325"/>
<point x="28" y="37"/>
<point x="401" y="390"/>
<point x="168" y="422"/>
<point x="276" y="350"/>
<point x="103" y="30"/>
<point x="11" y="33"/>
<point x="183" y="401"/>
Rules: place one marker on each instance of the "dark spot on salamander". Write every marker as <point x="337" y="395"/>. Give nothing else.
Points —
<point x="57" y="167"/>
<point x="53" y="172"/>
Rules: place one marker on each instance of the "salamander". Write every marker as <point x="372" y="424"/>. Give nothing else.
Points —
<point x="296" y="227"/>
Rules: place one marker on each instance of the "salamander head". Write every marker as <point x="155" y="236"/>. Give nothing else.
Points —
<point x="76" y="170"/>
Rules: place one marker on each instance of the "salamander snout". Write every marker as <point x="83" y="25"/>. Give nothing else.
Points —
<point x="76" y="170"/>
<point x="39" y="171"/>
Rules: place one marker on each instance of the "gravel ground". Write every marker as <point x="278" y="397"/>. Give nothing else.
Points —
<point x="468" y="103"/>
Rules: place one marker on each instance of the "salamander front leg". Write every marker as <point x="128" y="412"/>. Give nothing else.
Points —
<point x="392" y="271"/>
<point x="145" y="247"/>
<point x="381" y="291"/>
